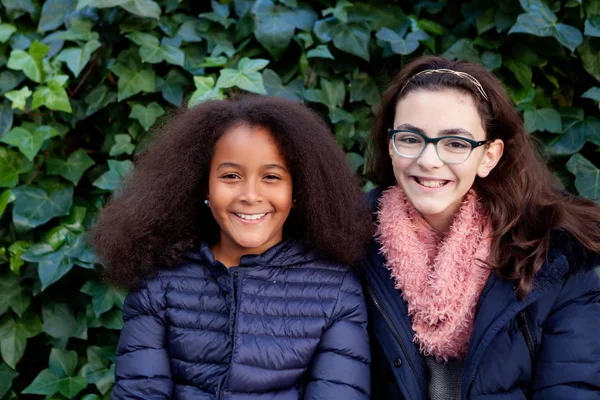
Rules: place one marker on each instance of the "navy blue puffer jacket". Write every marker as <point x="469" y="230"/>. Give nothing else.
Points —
<point x="544" y="347"/>
<point x="284" y="325"/>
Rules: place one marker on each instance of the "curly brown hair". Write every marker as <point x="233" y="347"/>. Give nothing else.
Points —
<point x="522" y="195"/>
<point x="158" y="212"/>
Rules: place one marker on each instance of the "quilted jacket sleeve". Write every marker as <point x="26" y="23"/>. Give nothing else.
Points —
<point x="340" y="368"/>
<point x="142" y="368"/>
<point x="568" y="362"/>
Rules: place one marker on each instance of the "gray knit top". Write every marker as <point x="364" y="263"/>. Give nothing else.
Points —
<point x="444" y="379"/>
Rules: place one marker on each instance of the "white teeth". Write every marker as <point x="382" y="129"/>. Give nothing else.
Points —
<point x="250" y="217"/>
<point x="431" y="183"/>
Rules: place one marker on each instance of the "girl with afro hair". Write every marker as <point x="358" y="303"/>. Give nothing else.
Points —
<point x="234" y="231"/>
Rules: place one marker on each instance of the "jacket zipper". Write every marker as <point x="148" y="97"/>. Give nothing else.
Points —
<point x="527" y="334"/>
<point x="390" y="325"/>
<point x="234" y="323"/>
<point x="528" y="340"/>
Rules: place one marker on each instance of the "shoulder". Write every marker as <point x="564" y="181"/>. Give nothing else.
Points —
<point x="578" y="258"/>
<point x="372" y="198"/>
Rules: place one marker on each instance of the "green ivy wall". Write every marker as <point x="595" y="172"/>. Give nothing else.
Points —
<point x="83" y="81"/>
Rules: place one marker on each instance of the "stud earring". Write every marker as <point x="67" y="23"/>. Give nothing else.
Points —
<point x="206" y="202"/>
<point x="484" y="170"/>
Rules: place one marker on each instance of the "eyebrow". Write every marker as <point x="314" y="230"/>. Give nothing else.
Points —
<point x="229" y="164"/>
<point x="443" y="132"/>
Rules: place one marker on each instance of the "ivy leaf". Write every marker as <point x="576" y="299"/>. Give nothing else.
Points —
<point x="275" y="87"/>
<point x="355" y="160"/>
<point x="60" y="323"/>
<point x="246" y="77"/>
<point x="28" y="143"/>
<point x="152" y="51"/>
<point x="539" y="20"/>
<point x="62" y="362"/>
<point x="205" y="90"/>
<point x="592" y="93"/>
<point x="362" y="87"/>
<point x="351" y="38"/>
<point x="590" y="55"/>
<point x="77" y="58"/>
<point x="187" y="32"/>
<point x="146" y="115"/>
<point x="34" y="206"/>
<point x="142" y="8"/>
<point x="112" y="319"/>
<point x="97" y="370"/>
<point x="338" y="115"/>
<point x="11" y="165"/>
<point x="72" y="169"/>
<point x="14" y="335"/>
<point x="587" y="176"/>
<point x="110" y="179"/>
<point x="172" y="90"/>
<point x="521" y="71"/>
<point x="6" y="197"/>
<point x="12" y="294"/>
<point x="6" y="31"/>
<point x="19" y="97"/>
<point x="10" y="80"/>
<point x="220" y="14"/>
<point x="321" y="51"/>
<point x="462" y="49"/>
<point x="491" y="61"/>
<point x="54" y="13"/>
<point x="331" y="94"/>
<point x="575" y="137"/>
<point x="6" y="118"/>
<point x="15" y="251"/>
<point x="59" y="377"/>
<point x="53" y="96"/>
<point x="397" y="43"/>
<point x="592" y="26"/>
<point x="543" y="119"/>
<point x="103" y="297"/>
<point x="122" y="145"/>
<point x="274" y="26"/>
<point x="99" y="98"/>
<point x="29" y="62"/>
<point x="132" y="82"/>
<point x="7" y="376"/>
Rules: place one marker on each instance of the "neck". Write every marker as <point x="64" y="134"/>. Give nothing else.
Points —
<point x="229" y="258"/>
<point x="440" y="223"/>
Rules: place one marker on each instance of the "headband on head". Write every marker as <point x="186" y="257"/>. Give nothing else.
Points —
<point x="469" y="77"/>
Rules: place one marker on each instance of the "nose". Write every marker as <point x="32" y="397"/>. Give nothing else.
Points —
<point x="429" y="158"/>
<point x="251" y="192"/>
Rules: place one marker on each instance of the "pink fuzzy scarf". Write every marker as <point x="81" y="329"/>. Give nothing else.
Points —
<point x="441" y="279"/>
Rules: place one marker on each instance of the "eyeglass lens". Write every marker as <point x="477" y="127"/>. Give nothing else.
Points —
<point x="451" y="150"/>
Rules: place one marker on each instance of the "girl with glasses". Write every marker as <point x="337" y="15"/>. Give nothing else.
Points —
<point x="481" y="281"/>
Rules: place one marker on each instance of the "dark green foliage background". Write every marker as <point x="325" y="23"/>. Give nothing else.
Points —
<point x="83" y="81"/>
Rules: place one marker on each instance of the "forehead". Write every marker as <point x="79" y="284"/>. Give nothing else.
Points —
<point x="434" y="111"/>
<point x="248" y="144"/>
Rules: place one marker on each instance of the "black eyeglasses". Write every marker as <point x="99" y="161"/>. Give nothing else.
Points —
<point x="450" y="149"/>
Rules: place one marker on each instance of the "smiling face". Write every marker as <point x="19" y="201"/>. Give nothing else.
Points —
<point x="436" y="189"/>
<point x="250" y="192"/>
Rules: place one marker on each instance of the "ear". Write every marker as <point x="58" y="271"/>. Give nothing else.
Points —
<point x="491" y="157"/>
<point x="390" y="147"/>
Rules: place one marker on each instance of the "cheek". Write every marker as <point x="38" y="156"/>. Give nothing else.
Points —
<point x="466" y="171"/>
<point x="400" y="164"/>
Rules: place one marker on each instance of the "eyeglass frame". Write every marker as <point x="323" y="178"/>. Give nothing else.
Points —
<point x="474" y="144"/>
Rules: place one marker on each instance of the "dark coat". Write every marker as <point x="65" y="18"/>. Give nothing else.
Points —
<point x="283" y="325"/>
<point x="546" y="347"/>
